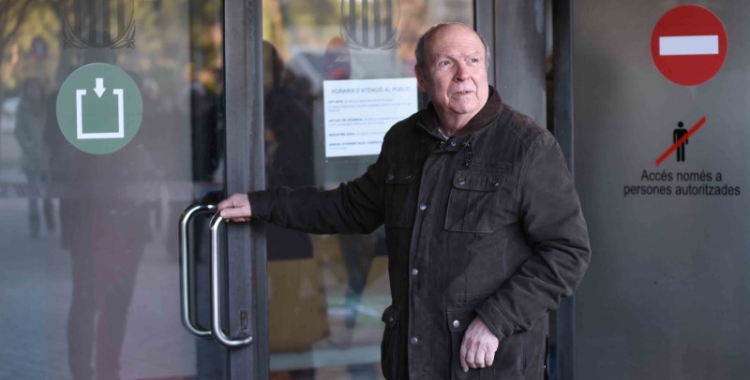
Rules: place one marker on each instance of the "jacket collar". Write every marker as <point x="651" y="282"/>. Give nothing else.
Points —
<point x="429" y="122"/>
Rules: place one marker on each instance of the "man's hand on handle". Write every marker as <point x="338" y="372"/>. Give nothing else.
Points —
<point x="479" y="346"/>
<point x="235" y="208"/>
<point x="479" y="343"/>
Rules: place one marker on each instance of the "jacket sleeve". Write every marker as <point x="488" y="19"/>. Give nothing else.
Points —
<point x="353" y="207"/>
<point x="554" y="227"/>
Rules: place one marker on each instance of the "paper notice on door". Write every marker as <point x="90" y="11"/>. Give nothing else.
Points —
<point x="359" y="112"/>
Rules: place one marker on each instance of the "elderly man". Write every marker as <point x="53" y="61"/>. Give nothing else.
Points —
<point x="484" y="229"/>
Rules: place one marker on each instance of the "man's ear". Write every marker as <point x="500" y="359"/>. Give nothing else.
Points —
<point x="420" y="78"/>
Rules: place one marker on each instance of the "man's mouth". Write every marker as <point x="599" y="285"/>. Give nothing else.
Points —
<point x="462" y="93"/>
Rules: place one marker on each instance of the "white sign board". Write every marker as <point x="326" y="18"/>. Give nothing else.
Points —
<point x="359" y="112"/>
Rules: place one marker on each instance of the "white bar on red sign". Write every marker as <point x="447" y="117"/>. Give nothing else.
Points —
<point x="689" y="45"/>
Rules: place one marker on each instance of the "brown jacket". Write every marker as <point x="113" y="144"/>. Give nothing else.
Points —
<point x="486" y="223"/>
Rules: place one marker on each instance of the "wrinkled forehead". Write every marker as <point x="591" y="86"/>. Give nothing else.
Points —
<point x="453" y="39"/>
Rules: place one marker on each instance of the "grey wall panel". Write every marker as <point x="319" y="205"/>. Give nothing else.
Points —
<point x="667" y="294"/>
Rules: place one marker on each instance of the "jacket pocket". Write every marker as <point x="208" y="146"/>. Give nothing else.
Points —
<point x="398" y="181"/>
<point x="389" y="352"/>
<point x="472" y="205"/>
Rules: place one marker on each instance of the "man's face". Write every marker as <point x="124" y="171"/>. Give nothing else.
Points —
<point x="455" y="71"/>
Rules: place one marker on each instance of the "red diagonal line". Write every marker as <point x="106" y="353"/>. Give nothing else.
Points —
<point x="681" y="141"/>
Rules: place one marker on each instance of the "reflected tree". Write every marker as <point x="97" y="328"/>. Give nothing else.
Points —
<point x="13" y="13"/>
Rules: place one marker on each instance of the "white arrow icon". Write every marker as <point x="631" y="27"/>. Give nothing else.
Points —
<point x="99" y="89"/>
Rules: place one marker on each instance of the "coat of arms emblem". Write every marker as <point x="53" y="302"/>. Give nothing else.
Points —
<point x="99" y="24"/>
<point x="370" y="24"/>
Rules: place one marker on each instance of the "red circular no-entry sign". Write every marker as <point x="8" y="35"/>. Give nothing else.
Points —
<point x="689" y="45"/>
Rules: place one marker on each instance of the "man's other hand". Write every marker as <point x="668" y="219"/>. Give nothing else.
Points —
<point x="479" y="346"/>
<point x="235" y="208"/>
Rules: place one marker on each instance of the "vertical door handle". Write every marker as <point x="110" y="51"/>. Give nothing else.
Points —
<point x="186" y="264"/>
<point x="216" y="330"/>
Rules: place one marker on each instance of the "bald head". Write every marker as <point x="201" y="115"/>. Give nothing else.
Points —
<point x="422" y="50"/>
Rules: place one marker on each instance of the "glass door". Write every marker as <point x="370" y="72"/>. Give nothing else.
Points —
<point x="327" y="67"/>
<point x="116" y="118"/>
<point x="113" y="123"/>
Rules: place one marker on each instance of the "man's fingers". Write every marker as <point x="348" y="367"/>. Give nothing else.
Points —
<point x="462" y="357"/>
<point x="235" y="208"/>
<point x="479" y="359"/>
<point x="232" y="212"/>
<point x="223" y="204"/>
<point x="235" y="200"/>
<point x="471" y="352"/>
<point x="489" y="357"/>
<point x="235" y="213"/>
<point x="478" y="346"/>
<point x="229" y="202"/>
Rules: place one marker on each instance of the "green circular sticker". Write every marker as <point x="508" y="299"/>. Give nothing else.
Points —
<point x="99" y="108"/>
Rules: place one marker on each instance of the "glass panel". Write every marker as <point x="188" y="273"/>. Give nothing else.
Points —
<point x="89" y="284"/>
<point x="327" y="293"/>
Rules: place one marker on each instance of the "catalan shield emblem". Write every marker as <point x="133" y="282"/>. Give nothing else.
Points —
<point x="370" y="24"/>
<point x="99" y="23"/>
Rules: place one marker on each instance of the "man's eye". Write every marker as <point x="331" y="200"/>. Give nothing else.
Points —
<point x="444" y="63"/>
<point x="474" y="60"/>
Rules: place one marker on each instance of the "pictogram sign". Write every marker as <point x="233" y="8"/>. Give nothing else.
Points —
<point x="680" y="138"/>
<point x="689" y="45"/>
<point x="99" y="108"/>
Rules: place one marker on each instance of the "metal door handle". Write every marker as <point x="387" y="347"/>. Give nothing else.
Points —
<point x="186" y="261"/>
<point x="216" y="330"/>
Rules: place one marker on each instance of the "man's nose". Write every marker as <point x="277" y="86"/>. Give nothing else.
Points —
<point x="462" y="73"/>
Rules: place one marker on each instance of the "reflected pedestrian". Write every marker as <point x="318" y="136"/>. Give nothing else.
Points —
<point x="104" y="212"/>
<point x="29" y="133"/>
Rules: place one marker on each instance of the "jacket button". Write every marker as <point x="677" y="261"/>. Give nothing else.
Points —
<point x="390" y="319"/>
<point x="391" y="177"/>
<point x="456" y="323"/>
<point x="408" y="177"/>
<point x="414" y="272"/>
<point x="453" y="143"/>
<point x="461" y="181"/>
<point x="496" y="184"/>
<point x="414" y="340"/>
<point x="423" y="207"/>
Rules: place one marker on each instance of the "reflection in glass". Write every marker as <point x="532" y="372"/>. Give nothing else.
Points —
<point x="88" y="281"/>
<point x="336" y="291"/>
<point x="101" y="221"/>
<point x="29" y="131"/>
<point x="95" y="294"/>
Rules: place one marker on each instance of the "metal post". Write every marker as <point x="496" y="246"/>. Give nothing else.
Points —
<point x="247" y="303"/>
<point x="563" y="126"/>
<point x="484" y="24"/>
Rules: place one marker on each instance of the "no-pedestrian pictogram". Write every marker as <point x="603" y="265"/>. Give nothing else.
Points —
<point x="680" y="138"/>
<point x="689" y="45"/>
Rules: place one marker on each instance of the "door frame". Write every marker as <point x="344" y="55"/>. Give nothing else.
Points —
<point x="247" y="296"/>
<point x="516" y="69"/>
<point x="518" y="72"/>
